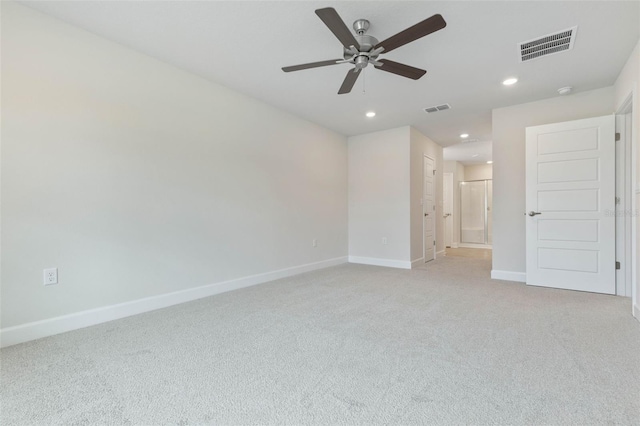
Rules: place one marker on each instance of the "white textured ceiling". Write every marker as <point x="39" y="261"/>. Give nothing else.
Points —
<point x="243" y="45"/>
<point x="469" y="153"/>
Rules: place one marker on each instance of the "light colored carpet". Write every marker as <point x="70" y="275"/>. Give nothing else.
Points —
<point x="474" y="253"/>
<point x="347" y="345"/>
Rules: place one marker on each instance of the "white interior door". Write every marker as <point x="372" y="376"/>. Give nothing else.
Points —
<point x="447" y="207"/>
<point x="570" y="173"/>
<point x="429" y="210"/>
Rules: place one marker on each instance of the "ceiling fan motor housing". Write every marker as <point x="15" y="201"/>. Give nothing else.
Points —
<point x="366" y="43"/>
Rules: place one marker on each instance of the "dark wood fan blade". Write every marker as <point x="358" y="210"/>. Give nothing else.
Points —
<point x="421" y="29"/>
<point x="349" y="81"/>
<point x="337" y="26"/>
<point x="311" y="65"/>
<point x="401" y="69"/>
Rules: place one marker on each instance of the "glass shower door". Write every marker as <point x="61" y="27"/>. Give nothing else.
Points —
<point x="475" y="212"/>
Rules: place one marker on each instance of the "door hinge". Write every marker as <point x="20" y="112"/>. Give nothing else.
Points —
<point x="434" y="172"/>
<point x="434" y="207"/>
<point x="434" y="242"/>
<point x="617" y="200"/>
<point x="617" y="265"/>
<point x="617" y="137"/>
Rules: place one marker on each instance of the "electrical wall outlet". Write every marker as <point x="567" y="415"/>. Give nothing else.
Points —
<point x="384" y="240"/>
<point x="315" y="243"/>
<point x="50" y="276"/>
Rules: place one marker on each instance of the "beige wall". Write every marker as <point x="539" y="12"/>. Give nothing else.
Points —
<point x="385" y="194"/>
<point x="421" y="146"/>
<point x="627" y="85"/>
<point x="509" y="249"/>
<point x="478" y="172"/>
<point x="136" y="179"/>
<point x="379" y="188"/>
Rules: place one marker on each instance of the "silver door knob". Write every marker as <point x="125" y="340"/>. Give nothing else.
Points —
<point x="532" y="213"/>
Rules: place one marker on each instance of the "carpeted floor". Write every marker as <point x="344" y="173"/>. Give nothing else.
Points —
<point x="352" y="344"/>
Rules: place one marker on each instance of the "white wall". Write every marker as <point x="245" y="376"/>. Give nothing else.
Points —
<point x="478" y="172"/>
<point x="379" y="188"/>
<point x="136" y="179"/>
<point x="627" y="84"/>
<point x="421" y="146"/>
<point x="509" y="250"/>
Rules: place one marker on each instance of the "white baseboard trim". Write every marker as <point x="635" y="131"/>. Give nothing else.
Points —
<point x="636" y="311"/>
<point x="520" y="277"/>
<point x="440" y="253"/>
<point x="390" y="263"/>
<point x="454" y="245"/>
<point x="35" y="330"/>
<point x="417" y="262"/>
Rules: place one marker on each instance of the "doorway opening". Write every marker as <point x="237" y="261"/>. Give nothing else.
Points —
<point x="467" y="209"/>
<point x="476" y="198"/>
<point x="429" y="209"/>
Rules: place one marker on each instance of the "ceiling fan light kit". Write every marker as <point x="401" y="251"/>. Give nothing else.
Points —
<point x="363" y="49"/>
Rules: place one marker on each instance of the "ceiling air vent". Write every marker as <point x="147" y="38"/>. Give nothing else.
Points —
<point x="558" y="42"/>
<point x="442" y="107"/>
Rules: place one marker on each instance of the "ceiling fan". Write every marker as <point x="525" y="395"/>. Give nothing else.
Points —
<point x="363" y="49"/>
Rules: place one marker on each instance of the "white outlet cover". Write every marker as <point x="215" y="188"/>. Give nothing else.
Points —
<point x="50" y="276"/>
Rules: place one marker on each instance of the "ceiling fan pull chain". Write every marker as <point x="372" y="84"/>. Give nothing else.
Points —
<point x="364" y="81"/>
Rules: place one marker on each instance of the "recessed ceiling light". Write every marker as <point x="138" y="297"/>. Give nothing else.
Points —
<point x="510" y="81"/>
<point x="565" y="90"/>
<point x="464" y="135"/>
<point x="371" y="114"/>
<point x="489" y="162"/>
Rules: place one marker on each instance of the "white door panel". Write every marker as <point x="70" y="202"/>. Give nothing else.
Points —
<point x="568" y="171"/>
<point x="571" y="189"/>
<point x="564" y="259"/>
<point x="572" y="200"/>
<point x="567" y="230"/>
<point x="569" y="140"/>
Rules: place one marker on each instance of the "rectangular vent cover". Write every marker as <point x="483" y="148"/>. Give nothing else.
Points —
<point x="442" y="107"/>
<point x="558" y="42"/>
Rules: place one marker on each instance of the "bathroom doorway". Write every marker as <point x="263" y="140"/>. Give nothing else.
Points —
<point x="476" y="198"/>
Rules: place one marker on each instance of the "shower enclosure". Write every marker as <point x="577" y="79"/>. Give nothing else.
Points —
<point x="475" y="212"/>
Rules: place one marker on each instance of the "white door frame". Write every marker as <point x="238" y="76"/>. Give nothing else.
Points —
<point x="630" y="105"/>
<point x="447" y="181"/>
<point x="624" y="200"/>
<point x="435" y="237"/>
